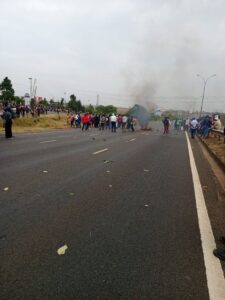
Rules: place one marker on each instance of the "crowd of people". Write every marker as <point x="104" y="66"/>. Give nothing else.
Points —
<point x="201" y="126"/>
<point x="103" y="122"/>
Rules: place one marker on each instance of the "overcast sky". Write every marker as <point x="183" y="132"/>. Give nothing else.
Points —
<point x="127" y="51"/>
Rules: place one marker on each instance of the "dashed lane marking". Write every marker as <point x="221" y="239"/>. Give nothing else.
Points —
<point x="51" y="141"/>
<point x="131" y="140"/>
<point x="214" y="273"/>
<point x="100" y="151"/>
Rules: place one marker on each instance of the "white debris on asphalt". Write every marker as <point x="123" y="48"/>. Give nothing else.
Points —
<point x="107" y="171"/>
<point x="62" y="250"/>
<point x="71" y="194"/>
<point x="106" y="161"/>
<point x="45" y="171"/>
<point x="146" y="205"/>
<point x="6" y="189"/>
<point x="146" y="170"/>
<point x="110" y="185"/>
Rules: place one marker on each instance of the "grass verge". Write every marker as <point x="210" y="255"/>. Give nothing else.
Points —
<point x="36" y="124"/>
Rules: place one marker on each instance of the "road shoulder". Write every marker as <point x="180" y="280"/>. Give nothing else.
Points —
<point x="211" y="178"/>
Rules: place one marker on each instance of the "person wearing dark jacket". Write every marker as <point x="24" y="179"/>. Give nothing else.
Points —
<point x="7" y="116"/>
<point x="220" y="252"/>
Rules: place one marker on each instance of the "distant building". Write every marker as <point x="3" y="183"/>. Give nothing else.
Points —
<point x="158" y="112"/>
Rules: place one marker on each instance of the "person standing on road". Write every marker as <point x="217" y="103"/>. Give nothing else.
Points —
<point x="194" y="126"/>
<point x="113" y="120"/>
<point x="132" y="122"/>
<point x="102" y="123"/>
<point x="166" y="124"/>
<point x="219" y="252"/>
<point x="85" y="121"/>
<point x="7" y="116"/>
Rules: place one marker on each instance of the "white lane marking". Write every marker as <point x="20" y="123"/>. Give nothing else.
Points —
<point x="214" y="273"/>
<point x="100" y="151"/>
<point x="51" y="141"/>
<point x="131" y="140"/>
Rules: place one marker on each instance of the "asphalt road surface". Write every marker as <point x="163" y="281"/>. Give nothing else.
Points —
<point x="122" y="203"/>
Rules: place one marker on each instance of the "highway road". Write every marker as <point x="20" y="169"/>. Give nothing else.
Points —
<point x="122" y="204"/>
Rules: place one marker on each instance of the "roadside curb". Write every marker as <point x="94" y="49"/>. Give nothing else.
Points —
<point x="213" y="154"/>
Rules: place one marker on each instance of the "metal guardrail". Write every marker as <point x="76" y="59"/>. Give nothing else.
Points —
<point x="219" y="134"/>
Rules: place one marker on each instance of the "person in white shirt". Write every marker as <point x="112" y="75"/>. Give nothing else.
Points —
<point x="194" y="126"/>
<point x="113" y="120"/>
<point x="124" y="122"/>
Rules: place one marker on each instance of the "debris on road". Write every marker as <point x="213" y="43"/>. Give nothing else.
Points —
<point x="106" y="161"/>
<point x="62" y="250"/>
<point x="108" y="171"/>
<point x="71" y="194"/>
<point x="2" y="237"/>
<point x="146" y="170"/>
<point x="45" y="171"/>
<point x="110" y="185"/>
<point x="146" y="205"/>
<point x="6" y="189"/>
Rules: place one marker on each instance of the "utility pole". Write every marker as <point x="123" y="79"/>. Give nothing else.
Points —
<point x="34" y="88"/>
<point x="97" y="103"/>
<point x="30" y="78"/>
<point x="203" y="94"/>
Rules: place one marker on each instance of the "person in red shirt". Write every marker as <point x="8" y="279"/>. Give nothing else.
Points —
<point x="85" y="121"/>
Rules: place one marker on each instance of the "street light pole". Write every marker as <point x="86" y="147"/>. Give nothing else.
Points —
<point x="30" y="87"/>
<point x="203" y="94"/>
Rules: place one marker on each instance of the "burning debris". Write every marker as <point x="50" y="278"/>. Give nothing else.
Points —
<point x="142" y="115"/>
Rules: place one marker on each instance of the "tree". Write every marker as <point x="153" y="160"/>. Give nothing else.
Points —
<point x="74" y="104"/>
<point x="7" y="90"/>
<point x="32" y="102"/>
<point x="18" y="100"/>
<point x="89" y="108"/>
<point x="45" y="102"/>
<point x="106" y="110"/>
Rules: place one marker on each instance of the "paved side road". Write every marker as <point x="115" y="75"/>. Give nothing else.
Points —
<point x="122" y="203"/>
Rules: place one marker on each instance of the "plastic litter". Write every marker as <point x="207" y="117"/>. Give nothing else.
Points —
<point x="106" y="161"/>
<point x="6" y="189"/>
<point x="62" y="250"/>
